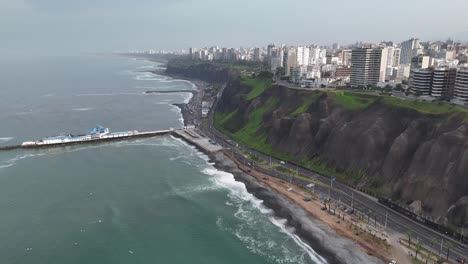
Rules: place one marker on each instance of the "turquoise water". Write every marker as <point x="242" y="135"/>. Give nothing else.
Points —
<point x="140" y="201"/>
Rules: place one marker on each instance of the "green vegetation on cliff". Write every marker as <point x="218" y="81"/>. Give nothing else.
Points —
<point x="259" y="85"/>
<point x="249" y="134"/>
<point x="435" y="108"/>
<point x="353" y="101"/>
<point x="307" y="101"/>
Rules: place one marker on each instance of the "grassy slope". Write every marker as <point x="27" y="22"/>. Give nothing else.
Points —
<point x="258" y="86"/>
<point x="251" y="133"/>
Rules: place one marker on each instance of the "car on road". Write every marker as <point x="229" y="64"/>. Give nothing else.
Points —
<point x="282" y="162"/>
<point x="392" y="262"/>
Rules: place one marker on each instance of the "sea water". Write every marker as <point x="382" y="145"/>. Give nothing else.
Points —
<point x="154" y="200"/>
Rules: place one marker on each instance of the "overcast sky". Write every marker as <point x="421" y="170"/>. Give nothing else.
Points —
<point x="107" y="25"/>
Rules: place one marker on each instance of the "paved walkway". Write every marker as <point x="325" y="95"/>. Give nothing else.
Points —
<point x="195" y="138"/>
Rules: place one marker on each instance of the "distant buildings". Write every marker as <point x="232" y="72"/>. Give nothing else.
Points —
<point x="425" y="68"/>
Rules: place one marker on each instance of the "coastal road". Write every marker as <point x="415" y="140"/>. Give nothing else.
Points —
<point x="376" y="213"/>
<point x="368" y="206"/>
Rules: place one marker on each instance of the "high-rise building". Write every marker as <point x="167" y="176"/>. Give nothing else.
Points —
<point x="346" y="57"/>
<point x="409" y="49"/>
<point x="403" y="72"/>
<point x="297" y="73"/>
<point x="335" y="46"/>
<point x="420" y="62"/>
<point x="289" y="59"/>
<point x="257" y="55"/>
<point x="368" y="66"/>
<point x="396" y="57"/>
<point x="314" y="55"/>
<point x="461" y="85"/>
<point x="420" y="81"/>
<point x="302" y="55"/>
<point x="270" y="49"/>
<point x="443" y="82"/>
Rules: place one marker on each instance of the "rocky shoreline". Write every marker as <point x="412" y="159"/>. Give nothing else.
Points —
<point x="324" y="240"/>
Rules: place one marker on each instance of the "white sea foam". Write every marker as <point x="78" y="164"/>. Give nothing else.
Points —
<point x="281" y="223"/>
<point x="6" y="166"/>
<point x="238" y="196"/>
<point x="177" y="109"/>
<point x="188" y="97"/>
<point x="147" y="67"/>
<point x="194" y="86"/>
<point x="188" y="191"/>
<point x="52" y="151"/>
<point x="83" y="109"/>
<point x="12" y="161"/>
<point x="147" y="76"/>
<point x="5" y="139"/>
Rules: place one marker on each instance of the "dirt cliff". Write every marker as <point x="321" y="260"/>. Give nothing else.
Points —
<point x="407" y="151"/>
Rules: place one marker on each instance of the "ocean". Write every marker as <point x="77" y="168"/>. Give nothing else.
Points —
<point x="154" y="200"/>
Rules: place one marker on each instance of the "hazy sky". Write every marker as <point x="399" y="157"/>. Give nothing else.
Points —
<point x="106" y="25"/>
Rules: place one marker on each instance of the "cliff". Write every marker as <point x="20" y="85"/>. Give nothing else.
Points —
<point x="205" y="71"/>
<point x="410" y="151"/>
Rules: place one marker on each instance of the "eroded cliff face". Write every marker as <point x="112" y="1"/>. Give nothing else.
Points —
<point x="412" y="155"/>
<point x="209" y="72"/>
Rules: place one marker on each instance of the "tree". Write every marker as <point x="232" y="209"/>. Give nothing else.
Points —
<point x="432" y="242"/>
<point x="449" y="247"/>
<point x="280" y="71"/>
<point x="409" y="233"/>
<point x="418" y="248"/>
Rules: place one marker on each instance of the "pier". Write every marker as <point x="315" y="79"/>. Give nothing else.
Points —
<point x="189" y="134"/>
<point x="168" y="92"/>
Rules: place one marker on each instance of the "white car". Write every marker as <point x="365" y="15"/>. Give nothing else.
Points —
<point x="392" y="262"/>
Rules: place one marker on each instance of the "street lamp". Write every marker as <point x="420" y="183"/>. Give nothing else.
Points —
<point x="331" y="186"/>
<point x="463" y="229"/>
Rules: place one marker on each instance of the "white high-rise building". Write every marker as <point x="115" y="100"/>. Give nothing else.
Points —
<point x="302" y="56"/>
<point x="314" y="55"/>
<point x="368" y="66"/>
